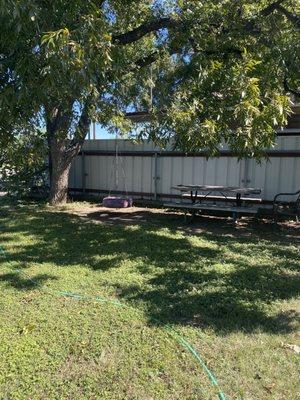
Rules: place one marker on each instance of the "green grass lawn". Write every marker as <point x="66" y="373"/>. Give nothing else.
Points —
<point x="232" y="293"/>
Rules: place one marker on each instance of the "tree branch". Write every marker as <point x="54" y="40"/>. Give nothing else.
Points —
<point x="144" y="61"/>
<point x="293" y="18"/>
<point x="80" y="133"/>
<point x="271" y="8"/>
<point x="168" y="22"/>
<point x="277" y="5"/>
<point x="144" y="29"/>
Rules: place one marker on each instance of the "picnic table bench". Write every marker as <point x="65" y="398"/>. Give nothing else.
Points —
<point x="201" y="198"/>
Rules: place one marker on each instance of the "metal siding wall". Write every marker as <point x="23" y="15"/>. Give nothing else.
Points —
<point x="76" y="176"/>
<point x="279" y="174"/>
<point x="233" y="172"/>
<point x="165" y="175"/>
<point x="199" y="170"/>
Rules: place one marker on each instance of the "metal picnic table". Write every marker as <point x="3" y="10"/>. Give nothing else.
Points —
<point x="197" y="205"/>
<point x="224" y="191"/>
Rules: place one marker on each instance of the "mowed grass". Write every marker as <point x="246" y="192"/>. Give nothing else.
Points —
<point x="232" y="293"/>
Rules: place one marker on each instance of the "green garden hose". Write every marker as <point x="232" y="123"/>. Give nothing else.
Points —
<point x="169" y="329"/>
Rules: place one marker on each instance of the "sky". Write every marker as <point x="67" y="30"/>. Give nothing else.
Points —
<point x="101" y="133"/>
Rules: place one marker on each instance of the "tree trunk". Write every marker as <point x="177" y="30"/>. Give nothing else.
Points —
<point x="63" y="150"/>
<point x="59" y="185"/>
<point x="59" y="173"/>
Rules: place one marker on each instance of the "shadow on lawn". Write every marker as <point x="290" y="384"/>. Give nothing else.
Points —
<point x="185" y="283"/>
<point x="18" y="282"/>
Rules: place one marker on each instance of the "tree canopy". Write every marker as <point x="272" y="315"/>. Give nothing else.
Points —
<point x="220" y="71"/>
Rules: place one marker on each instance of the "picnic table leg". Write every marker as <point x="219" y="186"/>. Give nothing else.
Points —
<point x="185" y="217"/>
<point x="193" y="215"/>
<point x="235" y="217"/>
<point x="194" y="196"/>
<point x="238" y="199"/>
<point x="275" y="216"/>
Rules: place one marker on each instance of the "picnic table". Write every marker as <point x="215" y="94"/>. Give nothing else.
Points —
<point x="226" y="193"/>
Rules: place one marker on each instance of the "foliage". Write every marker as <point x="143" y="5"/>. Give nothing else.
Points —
<point x="221" y="70"/>
<point x="232" y="294"/>
<point x="23" y="164"/>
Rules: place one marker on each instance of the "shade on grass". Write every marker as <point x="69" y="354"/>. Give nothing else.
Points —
<point x="234" y="296"/>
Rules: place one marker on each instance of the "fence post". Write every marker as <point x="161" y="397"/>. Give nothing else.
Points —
<point x="83" y="171"/>
<point x="155" y="178"/>
<point x="246" y="180"/>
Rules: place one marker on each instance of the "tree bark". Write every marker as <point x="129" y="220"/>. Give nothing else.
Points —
<point x="59" y="173"/>
<point x="59" y="186"/>
<point x="62" y="151"/>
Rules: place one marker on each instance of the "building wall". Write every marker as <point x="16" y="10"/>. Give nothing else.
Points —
<point x="96" y="170"/>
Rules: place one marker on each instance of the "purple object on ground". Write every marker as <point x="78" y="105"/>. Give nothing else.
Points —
<point x="117" y="202"/>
